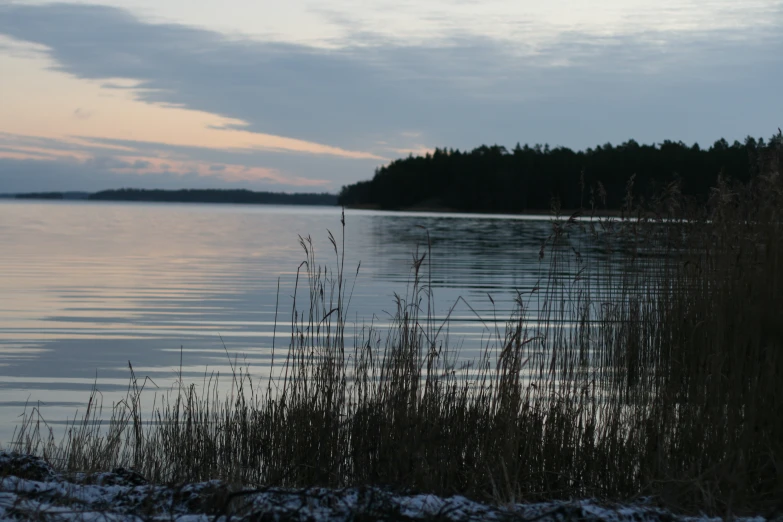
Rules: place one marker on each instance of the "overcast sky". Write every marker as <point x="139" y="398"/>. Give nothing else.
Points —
<point x="309" y="96"/>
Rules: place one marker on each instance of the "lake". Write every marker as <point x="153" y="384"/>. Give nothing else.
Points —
<point x="88" y="287"/>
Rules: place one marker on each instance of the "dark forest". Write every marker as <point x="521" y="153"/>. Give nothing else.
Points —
<point x="494" y="179"/>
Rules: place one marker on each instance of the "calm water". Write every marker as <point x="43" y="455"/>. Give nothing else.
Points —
<point x="87" y="287"/>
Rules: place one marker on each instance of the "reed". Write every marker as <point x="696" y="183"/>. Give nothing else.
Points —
<point x="648" y="362"/>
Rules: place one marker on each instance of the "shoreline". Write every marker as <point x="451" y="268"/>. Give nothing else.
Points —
<point x="31" y="489"/>
<point x="563" y="213"/>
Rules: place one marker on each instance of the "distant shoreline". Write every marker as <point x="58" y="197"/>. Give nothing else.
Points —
<point x="247" y="197"/>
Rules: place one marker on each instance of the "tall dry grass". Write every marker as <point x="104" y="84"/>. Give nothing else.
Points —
<point x="647" y="363"/>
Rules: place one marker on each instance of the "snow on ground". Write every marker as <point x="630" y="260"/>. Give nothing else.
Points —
<point x="31" y="490"/>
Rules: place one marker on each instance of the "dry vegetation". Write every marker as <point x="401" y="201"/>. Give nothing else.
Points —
<point x="661" y="377"/>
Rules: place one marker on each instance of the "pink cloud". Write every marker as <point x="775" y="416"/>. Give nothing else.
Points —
<point x="7" y="154"/>
<point x="416" y="150"/>
<point x="229" y="172"/>
<point x="131" y="162"/>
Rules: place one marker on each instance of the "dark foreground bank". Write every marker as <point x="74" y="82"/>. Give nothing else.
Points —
<point x="31" y="490"/>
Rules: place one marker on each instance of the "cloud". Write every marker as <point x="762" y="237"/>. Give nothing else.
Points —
<point x="108" y="163"/>
<point x="141" y="164"/>
<point x="32" y="174"/>
<point x="416" y="150"/>
<point x="32" y="163"/>
<point x="576" y="89"/>
<point x="305" y="169"/>
<point x="81" y="114"/>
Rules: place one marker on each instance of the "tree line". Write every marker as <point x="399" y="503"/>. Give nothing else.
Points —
<point x="40" y="195"/>
<point x="494" y="179"/>
<point x="214" y="196"/>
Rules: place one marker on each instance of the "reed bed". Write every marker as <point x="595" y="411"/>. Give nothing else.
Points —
<point x="659" y="377"/>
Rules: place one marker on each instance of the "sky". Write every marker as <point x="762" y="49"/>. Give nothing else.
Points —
<point x="307" y="96"/>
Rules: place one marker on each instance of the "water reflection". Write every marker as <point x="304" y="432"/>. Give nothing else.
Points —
<point x="88" y="287"/>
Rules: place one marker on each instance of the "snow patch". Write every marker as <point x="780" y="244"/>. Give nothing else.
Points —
<point x="31" y="490"/>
